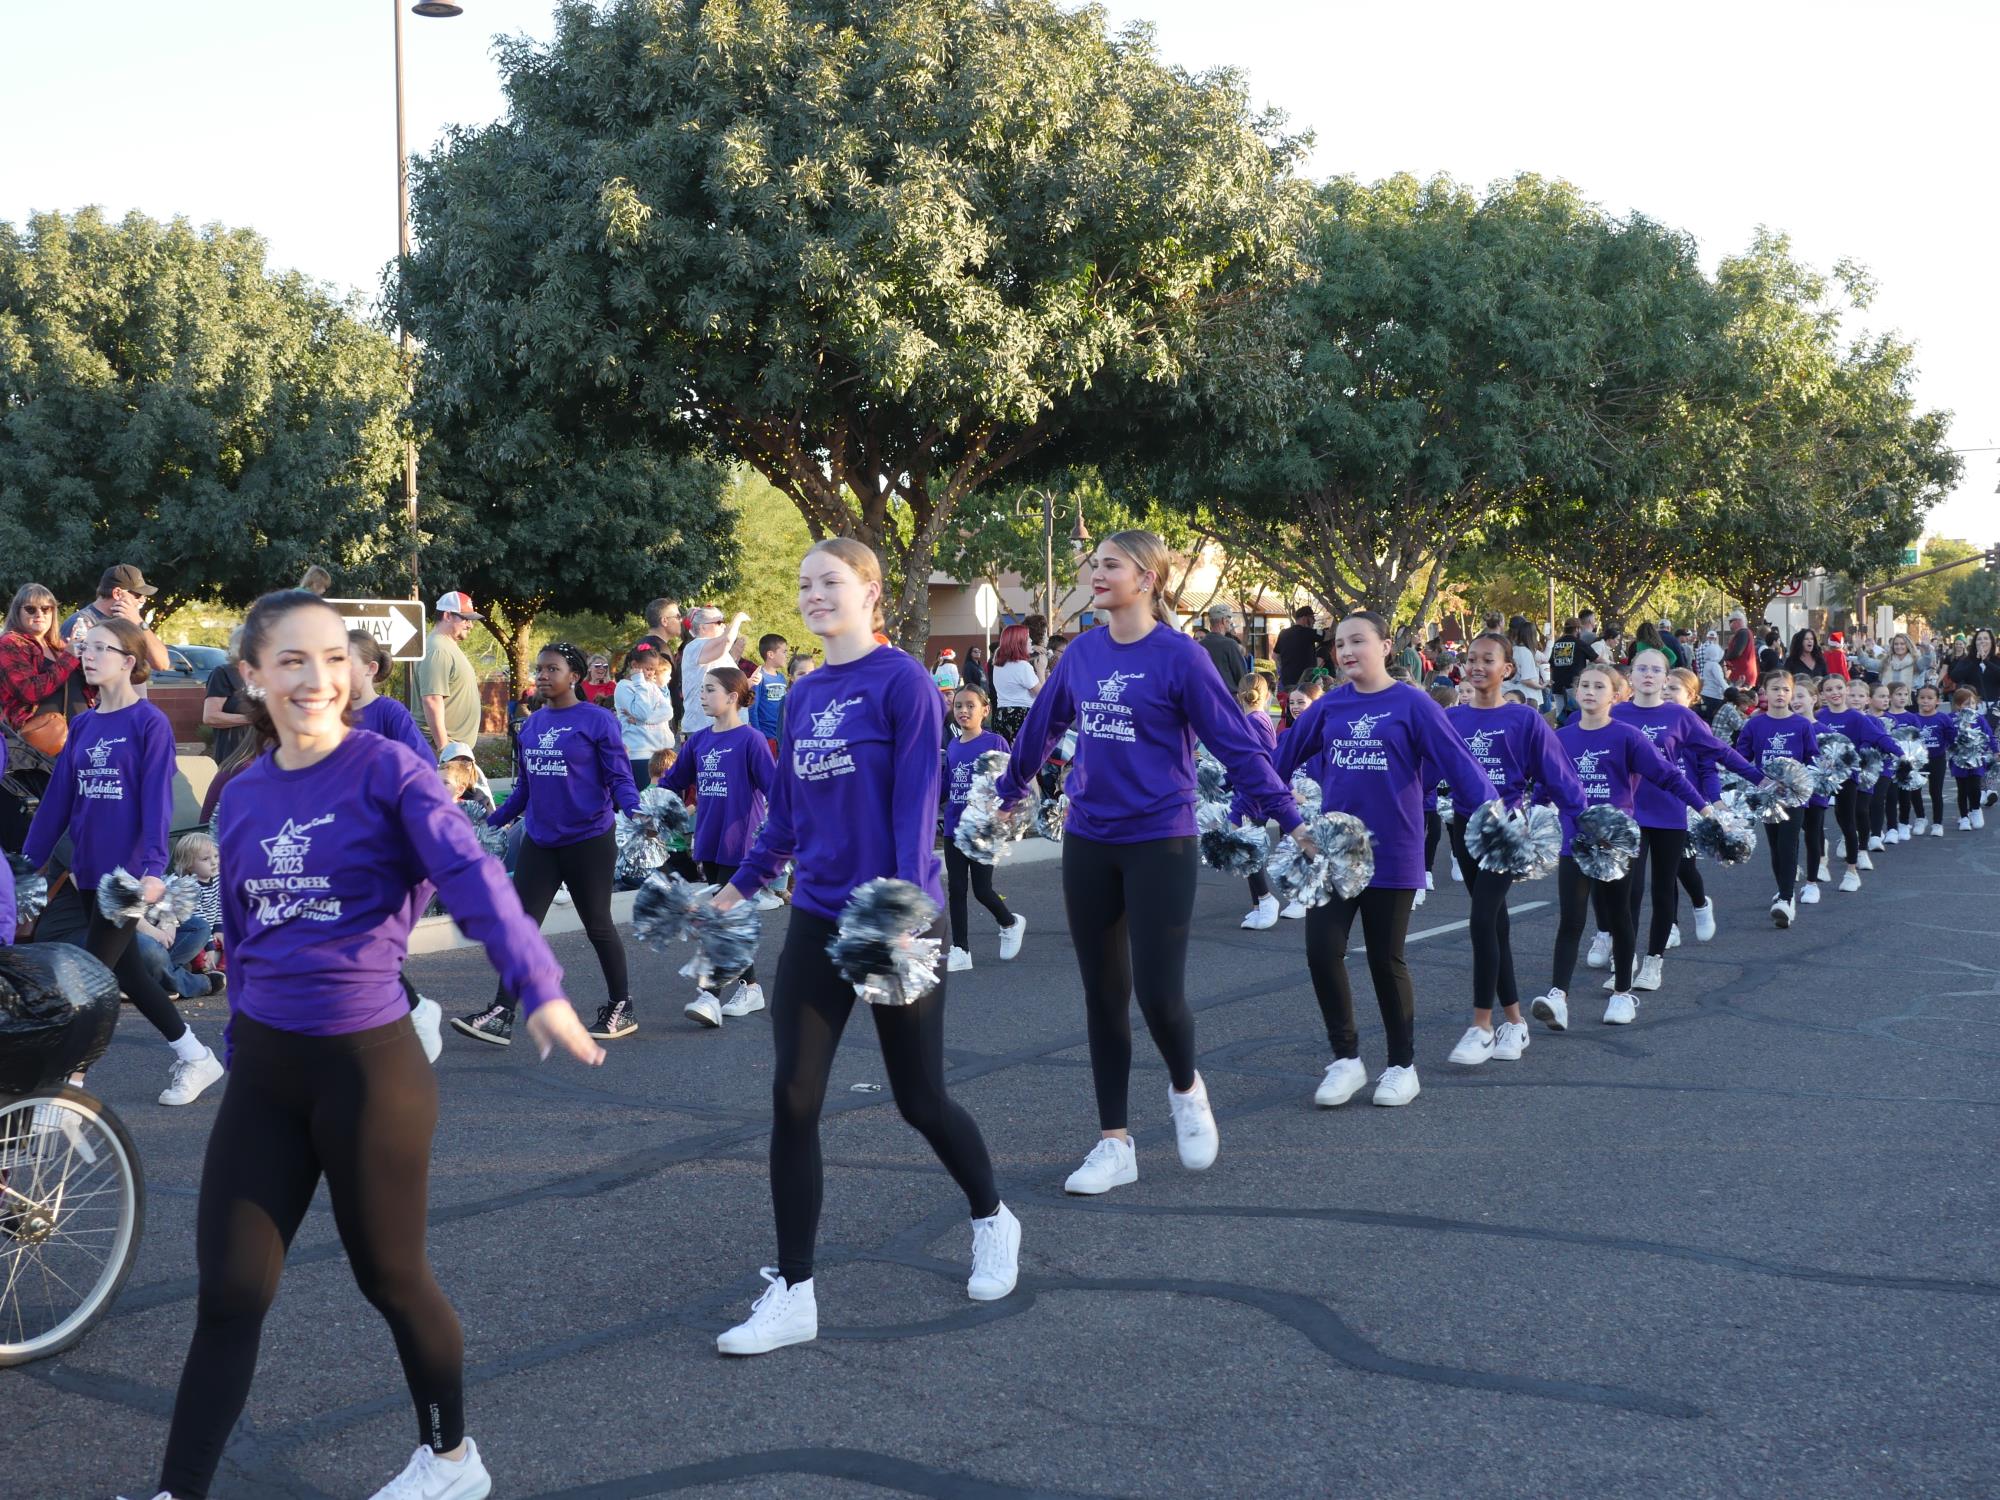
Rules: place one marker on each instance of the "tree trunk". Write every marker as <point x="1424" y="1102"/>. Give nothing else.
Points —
<point x="511" y="623"/>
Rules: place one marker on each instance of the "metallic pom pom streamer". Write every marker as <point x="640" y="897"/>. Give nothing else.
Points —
<point x="1790" y="780"/>
<point x="120" y="899"/>
<point x="1306" y="792"/>
<point x="1051" y="816"/>
<point x="1234" y="850"/>
<point x="1525" y="843"/>
<point x="663" y="908"/>
<point x="725" y="942"/>
<point x="1763" y="800"/>
<point x="1445" y="810"/>
<point x="31" y="891"/>
<point x="1838" y="757"/>
<point x="985" y="827"/>
<point x="1728" y="837"/>
<point x="1728" y="723"/>
<point x="492" y="840"/>
<point x="1211" y="777"/>
<point x="1870" y="770"/>
<point x="1969" y="749"/>
<point x="669" y="810"/>
<point x="1606" y="842"/>
<point x="877" y="949"/>
<point x="1344" y="865"/>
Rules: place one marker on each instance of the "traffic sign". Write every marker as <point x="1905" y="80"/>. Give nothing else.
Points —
<point x="1789" y="591"/>
<point x="1911" y="557"/>
<point x="397" y="623"/>
<point x="986" y="606"/>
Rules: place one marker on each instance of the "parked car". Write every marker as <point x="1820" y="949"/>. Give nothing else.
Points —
<point x="179" y="690"/>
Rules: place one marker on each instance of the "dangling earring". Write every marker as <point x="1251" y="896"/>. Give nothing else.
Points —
<point x="253" y="692"/>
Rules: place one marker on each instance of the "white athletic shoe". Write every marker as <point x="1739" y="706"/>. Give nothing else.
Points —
<point x="783" y="1315"/>
<point x="1809" y="893"/>
<point x="1921" y="827"/>
<point x="1194" y="1126"/>
<point x="427" y="1020"/>
<point x="1344" y="1078"/>
<point x="1850" y="881"/>
<point x="1875" y="842"/>
<point x="563" y="897"/>
<point x="1296" y="909"/>
<point x="996" y="1256"/>
<point x="1112" y="1162"/>
<point x="1862" y="861"/>
<point x="1965" y="825"/>
<point x="1600" y="951"/>
<point x="1011" y="935"/>
<point x="1552" y="1010"/>
<point x="1649" y="972"/>
<point x="747" y="1001"/>
<point x="1474" y="1048"/>
<point x="1783" y="912"/>
<point x="1937" y="830"/>
<point x="1456" y="873"/>
<point x="769" y="900"/>
<point x="1704" y="921"/>
<point x="1674" y="936"/>
<point x="1621" y="1009"/>
<point x="1907" y="830"/>
<point x="1510" y="1040"/>
<point x="1263" y="915"/>
<point x="1419" y="901"/>
<point x="1892" y="835"/>
<point x="1396" y="1086"/>
<point x="704" y="1008"/>
<point x="1429" y="884"/>
<point x="187" y="1080"/>
<point x="957" y="961"/>
<point x="429" y="1477"/>
<point x="1979" y="817"/>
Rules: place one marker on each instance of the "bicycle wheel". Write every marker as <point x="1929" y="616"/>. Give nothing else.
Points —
<point x="72" y="1208"/>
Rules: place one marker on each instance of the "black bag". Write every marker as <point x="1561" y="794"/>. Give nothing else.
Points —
<point x="58" y="1008"/>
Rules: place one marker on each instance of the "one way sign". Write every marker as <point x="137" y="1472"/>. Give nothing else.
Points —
<point x="397" y="623"/>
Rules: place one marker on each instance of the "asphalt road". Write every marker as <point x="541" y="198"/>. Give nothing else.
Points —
<point x="1744" y="1247"/>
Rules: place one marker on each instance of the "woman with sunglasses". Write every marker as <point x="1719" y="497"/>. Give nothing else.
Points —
<point x="37" y="674"/>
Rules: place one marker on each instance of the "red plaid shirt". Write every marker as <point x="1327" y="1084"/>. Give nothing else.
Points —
<point x="29" y="676"/>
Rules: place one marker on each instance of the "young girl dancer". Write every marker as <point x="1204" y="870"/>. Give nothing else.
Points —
<point x="1873" y="700"/>
<point x="1934" y="727"/>
<point x="1254" y="693"/>
<point x="572" y="771"/>
<point x="327" y="844"/>
<point x="1139" y="693"/>
<point x="1849" y="805"/>
<point x="367" y="665"/>
<point x="1779" y="733"/>
<point x="1614" y="761"/>
<point x="855" y="798"/>
<point x="112" y="792"/>
<point x="729" y="766"/>
<point x="1970" y="814"/>
<point x="1521" y="756"/>
<point x="1380" y="738"/>
<point x="970" y="740"/>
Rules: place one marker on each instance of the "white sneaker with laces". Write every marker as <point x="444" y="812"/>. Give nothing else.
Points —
<point x="1263" y="915"/>
<point x="1809" y="894"/>
<point x="1862" y="861"/>
<point x="1344" y="1078"/>
<point x="769" y="900"/>
<point x="1875" y="842"/>
<point x="1396" y="1086"/>
<point x="1113" y="1162"/>
<point x="187" y="1080"/>
<point x="1429" y="884"/>
<point x="1937" y="830"/>
<point x="1979" y="817"/>
<point x="1194" y="1126"/>
<point x="1552" y="1010"/>
<point x="996" y="1256"/>
<point x="1704" y="921"/>
<point x="1622" y="1009"/>
<point x="1674" y="936"/>
<point x="782" y="1315"/>
<point x="1419" y="901"/>
<point x="1783" y="912"/>
<point x="704" y="1008"/>
<point x="957" y="961"/>
<point x="427" y="1020"/>
<point x="1850" y="881"/>
<point x="1649" y="972"/>
<point x="429" y="1477"/>
<point x="1965" y="825"/>
<point x="1011" y="935"/>
<point x="563" y="897"/>
<point x="1600" y="951"/>
<point x="1510" y="1040"/>
<point x="1474" y="1048"/>
<point x="1456" y="873"/>
<point x="1921" y="826"/>
<point x="747" y="1001"/>
<point x="1296" y="909"/>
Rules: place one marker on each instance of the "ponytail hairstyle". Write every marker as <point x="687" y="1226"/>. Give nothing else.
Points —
<point x="132" y="641"/>
<point x="316" y="580"/>
<point x="976" y="690"/>
<point x="257" y="627"/>
<point x="1381" y="628"/>
<point x="732" y="681"/>
<point x="365" y="646"/>
<point x="862" y="559"/>
<point x="1149" y="555"/>
<point x="1253" y="691"/>
<point x="572" y="657"/>
<point x="1505" y="644"/>
<point x="1772" y="676"/>
<point x="1690" y="683"/>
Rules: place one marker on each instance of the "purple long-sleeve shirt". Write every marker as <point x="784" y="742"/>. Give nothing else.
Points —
<point x="856" y="793"/>
<point x="1764" y="739"/>
<point x="6" y="902"/>
<point x="112" y="790"/>
<point x="1935" y="730"/>
<point x="1266" y="734"/>
<point x="326" y="869"/>
<point x="959" y="756"/>
<point x="731" y="771"/>
<point x="1863" y="729"/>
<point x="388" y="718"/>
<point x="1615" y="763"/>
<point x="1138" y="707"/>
<point x="1373" y="750"/>
<point x="1519" y="754"/>
<point x="574" y="771"/>
<point x="1679" y="735"/>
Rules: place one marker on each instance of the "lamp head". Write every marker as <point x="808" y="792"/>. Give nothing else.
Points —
<point x="437" y="8"/>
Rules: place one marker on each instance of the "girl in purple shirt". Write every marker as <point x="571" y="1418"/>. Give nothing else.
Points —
<point x="367" y="665"/>
<point x="1935" y="726"/>
<point x="1850" y="803"/>
<point x="327" y="845"/>
<point x="971" y="740"/>
<point x="112" y="792"/>
<point x="1254" y="693"/>
<point x="1778" y="733"/>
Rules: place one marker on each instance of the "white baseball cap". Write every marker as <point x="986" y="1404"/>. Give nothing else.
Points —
<point x="456" y="603"/>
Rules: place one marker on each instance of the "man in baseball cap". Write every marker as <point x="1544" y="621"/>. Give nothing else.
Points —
<point x="446" y="683"/>
<point x="459" y="604"/>
<point x="121" y="594"/>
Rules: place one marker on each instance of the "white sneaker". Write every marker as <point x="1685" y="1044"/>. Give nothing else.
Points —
<point x="1965" y="825"/>
<point x="783" y="1315"/>
<point x="1621" y="1009"/>
<point x="563" y="897"/>
<point x="1429" y="884"/>
<point x="1937" y="830"/>
<point x="1674" y="936"/>
<point x="957" y="961"/>
<point x="427" y="1020"/>
<point x="1552" y="1010"/>
<point x="747" y="1001"/>
<point x="187" y="1080"/>
<point x="1396" y="1086"/>
<point x="1419" y="901"/>
<point x="1344" y="1078"/>
<point x="1600" y="951"/>
<point x="1194" y="1126"/>
<point x="1862" y="861"/>
<point x="1474" y="1048"/>
<point x="1112" y="1162"/>
<point x="1296" y="909"/>
<point x="1850" y="881"/>
<point x="1649" y="972"/>
<point x="1921" y="827"/>
<point x="996" y="1256"/>
<point x="1263" y="915"/>
<point x="768" y="900"/>
<point x="1510" y="1040"/>
<point x="1875" y="842"/>
<point x="1783" y="912"/>
<point x="1704" y="921"/>
<point x="429" y="1477"/>
<point x="704" y="1008"/>
<point x="1809" y="894"/>
<point x="1456" y="873"/>
<point x="1010" y="937"/>
<point x="1979" y="817"/>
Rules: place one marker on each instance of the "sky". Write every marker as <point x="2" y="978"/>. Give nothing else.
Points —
<point x="1855" y="128"/>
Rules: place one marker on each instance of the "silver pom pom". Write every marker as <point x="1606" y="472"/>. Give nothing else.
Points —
<point x="120" y="899"/>
<point x="1343" y="867"/>
<point x="31" y="891"/>
<point x="1728" y="837"/>
<point x="1211" y="777"/>
<point x="1051" y="816"/>
<point x="1969" y="749"/>
<point x="1306" y="792"/>
<point x="1606" y="842"/>
<point x="1525" y="843"/>
<point x="668" y="909"/>
<point x="1445" y="810"/>
<point x="1790" y="781"/>
<point x="662" y="910"/>
<point x="985" y="827"/>
<point x="1870" y="770"/>
<point x="1838" y="758"/>
<point x="668" y="809"/>
<point x="877" y="949"/>
<point x="1238" y="851"/>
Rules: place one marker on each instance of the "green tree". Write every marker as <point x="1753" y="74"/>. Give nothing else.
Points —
<point x="884" y="251"/>
<point x="1926" y="598"/>
<point x="166" y="400"/>
<point x="771" y="537"/>
<point x="1972" y="601"/>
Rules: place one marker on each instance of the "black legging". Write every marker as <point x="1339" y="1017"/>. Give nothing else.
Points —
<point x="1815" y="844"/>
<point x="1847" y="817"/>
<point x="1968" y="794"/>
<point x="809" y="1010"/>
<point x="586" y="868"/>
<point x="111" y="945"/>
<point x="1691" y="881"/>
<point x="719" y="875"/>
<point x="1433" y="831"/>
<point x="358" y="1109"/>
<point x="1129" y="909"/>
<point x="1660" y="851"/>
<point x="1577" y="896"/>
<point x="1385" y="926"/>
<point x="1492" y="949"/>
<point x="961" y="872"/>
<point x="1934" y="769"/>
<point x="1878" y="806"/>
<point x="1783" y="839"/>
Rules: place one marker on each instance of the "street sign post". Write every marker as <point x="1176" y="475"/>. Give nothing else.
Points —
<point x="397" y="623"/>
<point x="986" y="610"/>
<point x="1789" y="591"/>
